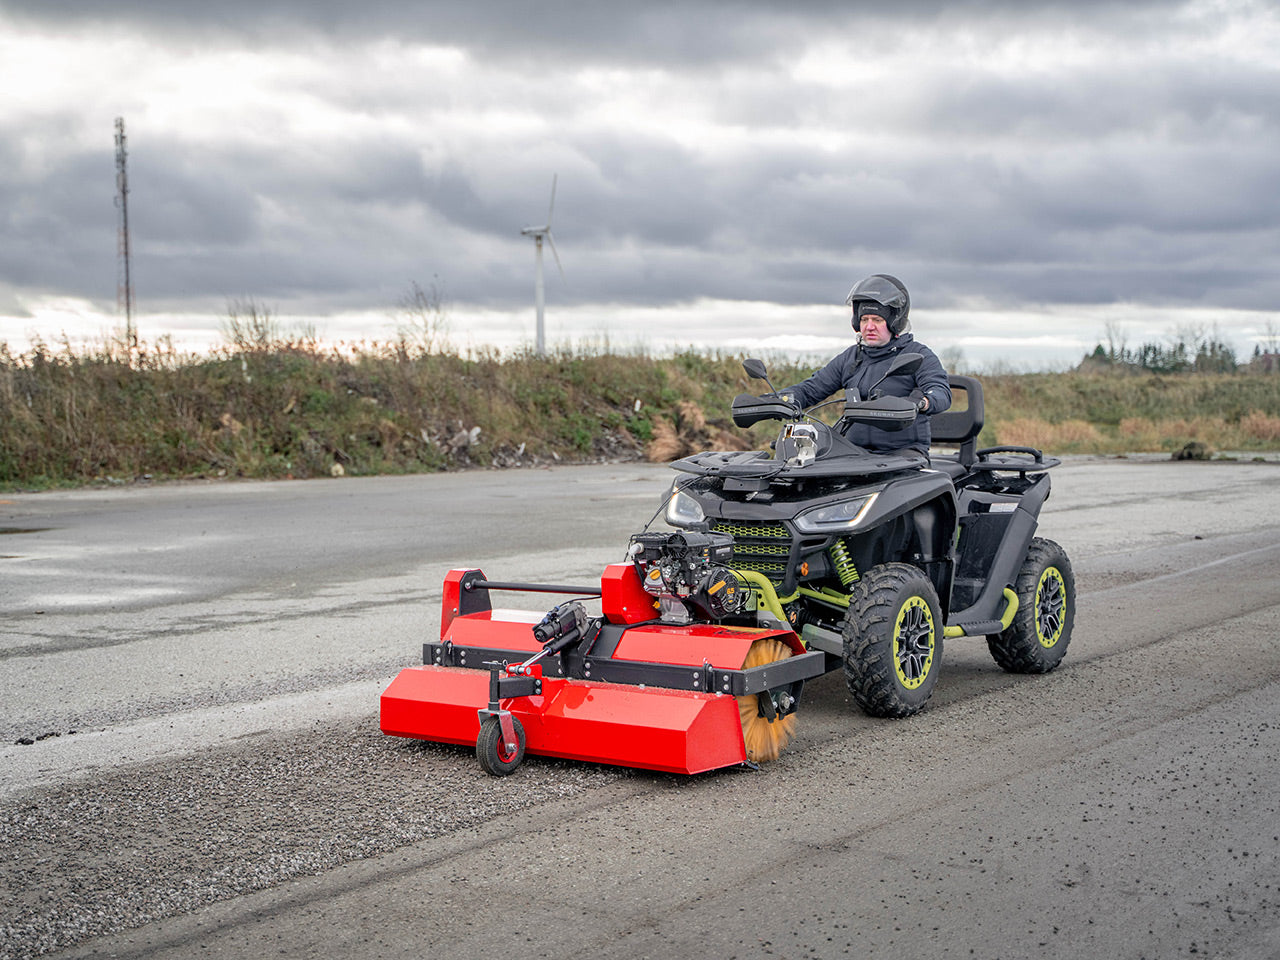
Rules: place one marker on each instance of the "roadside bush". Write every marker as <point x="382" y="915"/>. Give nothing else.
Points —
<point x="266" y="406"/>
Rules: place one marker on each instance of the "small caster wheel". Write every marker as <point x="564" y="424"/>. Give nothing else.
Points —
<point x="492" y="752"/>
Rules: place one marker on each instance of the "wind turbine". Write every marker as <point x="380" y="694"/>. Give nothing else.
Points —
<point x="538" y="233"/>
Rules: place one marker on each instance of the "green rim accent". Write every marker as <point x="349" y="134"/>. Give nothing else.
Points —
<point x="1051" y="599"/>
<point x="914" y="640"/>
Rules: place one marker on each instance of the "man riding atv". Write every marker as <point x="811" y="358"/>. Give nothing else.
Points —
<point x="830" y="550"/>
<point x="881" y="306"/>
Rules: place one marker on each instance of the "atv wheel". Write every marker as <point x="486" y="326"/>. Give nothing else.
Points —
<point x="1036" y="640"/>
<point x="764" y="738"/>
<point x="492" y="752"/>
<point x="892" y="640"/>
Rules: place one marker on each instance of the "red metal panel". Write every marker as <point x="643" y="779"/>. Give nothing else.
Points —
<point x="435" y="703"/>
<point x="670" y="730"/>
<point x="498" y="629"/>
<point x="723" y="646"/>
<point x="450" y="604"/>
<point x="622" y="596"/>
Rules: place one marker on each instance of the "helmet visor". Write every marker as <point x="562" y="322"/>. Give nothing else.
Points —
<point x="880" y="289"/>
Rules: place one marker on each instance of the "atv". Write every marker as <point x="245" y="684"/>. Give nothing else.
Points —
<point x="782" y="565"/>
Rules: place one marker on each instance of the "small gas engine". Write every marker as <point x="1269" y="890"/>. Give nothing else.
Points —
<point x="689" y="570"/>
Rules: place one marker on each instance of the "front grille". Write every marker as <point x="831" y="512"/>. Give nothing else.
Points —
<point x="745" y="528"/>
<point x="763" y="547"/>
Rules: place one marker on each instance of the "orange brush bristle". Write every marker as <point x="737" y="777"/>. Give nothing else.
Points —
<point x="763" y="739"/>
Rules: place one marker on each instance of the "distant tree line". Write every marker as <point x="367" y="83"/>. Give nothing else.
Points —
<point x="1191" y="351"/>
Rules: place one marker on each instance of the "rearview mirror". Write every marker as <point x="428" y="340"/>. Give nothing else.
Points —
<point x="755" y="369"/>
<point x="904" y="363"/>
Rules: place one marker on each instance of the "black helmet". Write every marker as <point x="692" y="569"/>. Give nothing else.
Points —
<point x="888" y="292"/>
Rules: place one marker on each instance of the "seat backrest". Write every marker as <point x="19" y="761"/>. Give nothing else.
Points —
<point x="962" y="422"/>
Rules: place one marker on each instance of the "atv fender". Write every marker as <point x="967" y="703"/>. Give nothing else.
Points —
<point x="1006" y="562"/>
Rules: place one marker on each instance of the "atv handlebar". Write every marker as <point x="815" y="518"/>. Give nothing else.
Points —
<point x="892" y="413"/>
<point x="749" y="409"/>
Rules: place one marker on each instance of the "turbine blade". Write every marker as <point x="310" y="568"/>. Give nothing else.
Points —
<point x="553" y="200"/>
<point x="552" y="243"/>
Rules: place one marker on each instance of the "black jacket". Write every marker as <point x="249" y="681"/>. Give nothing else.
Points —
<point x="858" y="369"/>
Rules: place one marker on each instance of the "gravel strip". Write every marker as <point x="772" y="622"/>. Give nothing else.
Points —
<point x="163" y="839"/>
<point x="60" y="722"/>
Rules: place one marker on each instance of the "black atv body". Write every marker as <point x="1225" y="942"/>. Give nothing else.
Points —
<point x="875" y="558"/>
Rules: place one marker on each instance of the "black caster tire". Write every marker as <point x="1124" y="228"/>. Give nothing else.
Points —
<point x="492" y="752"/>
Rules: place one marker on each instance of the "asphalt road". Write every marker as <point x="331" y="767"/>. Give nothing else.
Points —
<point x="197" y="667"/>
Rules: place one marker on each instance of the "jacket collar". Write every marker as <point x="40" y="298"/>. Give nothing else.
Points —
<point x="888" y="349"/>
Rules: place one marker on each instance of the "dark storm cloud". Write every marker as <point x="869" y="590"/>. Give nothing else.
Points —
<point x="678" y="32"/>
<point x="1152" y="177"/>
<point x="54" y="219"/>
<point x="659" y="32"/>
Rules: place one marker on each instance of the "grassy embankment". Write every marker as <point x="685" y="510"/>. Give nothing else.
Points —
<point x="293" y="409"/>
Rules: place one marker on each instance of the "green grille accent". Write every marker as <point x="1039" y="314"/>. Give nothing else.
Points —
<point x="745" y="528"/>
<point x="763" y="547"/>
<point x="772" y="570"/>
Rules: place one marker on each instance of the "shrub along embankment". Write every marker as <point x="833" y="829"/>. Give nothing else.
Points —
<point x="1133" y="412"/>
<point x="294" y="409"/>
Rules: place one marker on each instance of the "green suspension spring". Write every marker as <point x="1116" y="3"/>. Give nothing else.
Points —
<point x="845" y="569"/>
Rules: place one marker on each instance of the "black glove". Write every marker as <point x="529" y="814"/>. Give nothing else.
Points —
<point x="922" y="405"/>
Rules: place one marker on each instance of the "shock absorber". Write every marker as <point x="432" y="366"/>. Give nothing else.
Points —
<point x="845" y="568"/>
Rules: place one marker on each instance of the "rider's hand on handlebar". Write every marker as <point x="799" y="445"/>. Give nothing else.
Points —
<point x="789" y="400"/>
<point x="922" y="404"/>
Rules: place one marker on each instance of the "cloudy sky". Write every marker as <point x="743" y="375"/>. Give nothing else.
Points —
<point x="1037" y="173"/>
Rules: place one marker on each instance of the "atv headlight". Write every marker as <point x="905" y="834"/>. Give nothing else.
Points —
<point x="844" y="515"/>
<point x="682" y="509"/>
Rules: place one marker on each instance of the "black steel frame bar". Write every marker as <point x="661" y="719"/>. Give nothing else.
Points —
<point x="705" y="679"/>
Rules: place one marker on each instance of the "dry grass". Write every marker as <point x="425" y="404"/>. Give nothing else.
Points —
<point x="271" y="408"/>
<point x="1070" y="436"/>
<point x="1261" y="427"/>
<point x="267" y="407"/>
<point x="1254" y="431"/>
<point x="687" y="432"/>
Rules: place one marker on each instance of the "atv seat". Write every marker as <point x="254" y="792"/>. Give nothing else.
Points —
<point x="960" y="424"/>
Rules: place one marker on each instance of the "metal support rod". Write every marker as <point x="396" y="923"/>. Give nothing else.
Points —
<point x="530" y="587"/>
